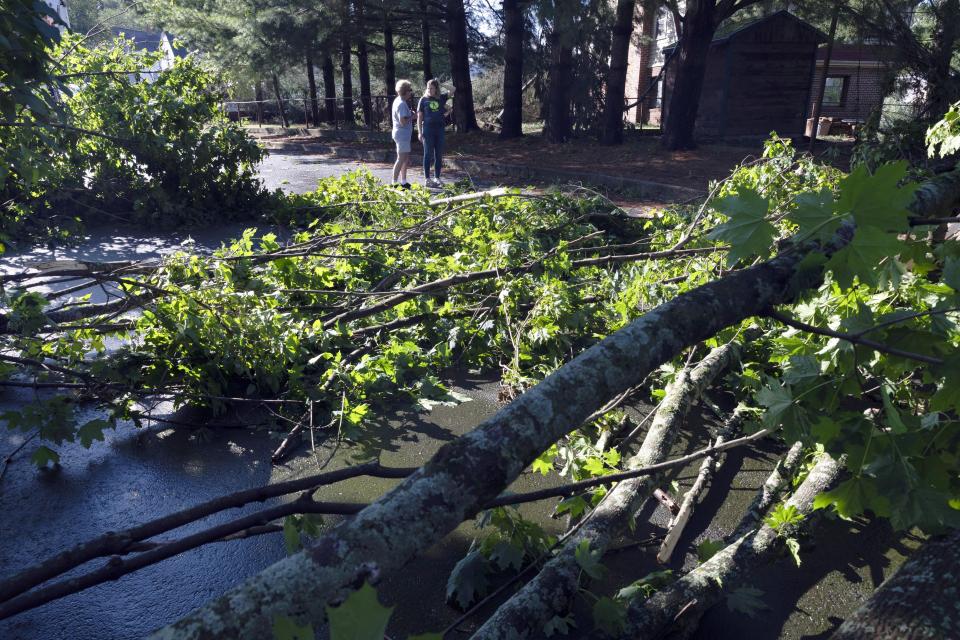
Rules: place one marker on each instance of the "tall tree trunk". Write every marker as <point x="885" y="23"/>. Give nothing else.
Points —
<point x="346" y="71"/>
<point x="512" y="119"/>
<point x="611" y="131"/>
<point x="363" y="62"/>
<point x="389" y="58"/>
<point x="689" y="69"/>
<point x="258" y="93"/>
<point x="557" y="127"/>
<point x="919" y="601"/>
<point x="942" y="85"/>
<point x="283" y="111"/>
<point x="463" y="114"/>
<point x="312" y="82"/>
<point x="425" y="42"/>
<point x="822" y="85"/>
<point x="329" y="89"/>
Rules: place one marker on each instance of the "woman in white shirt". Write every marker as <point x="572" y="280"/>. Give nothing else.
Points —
<point x="402" y="118"/>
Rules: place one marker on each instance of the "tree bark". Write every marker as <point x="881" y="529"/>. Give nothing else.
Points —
<point x="258" y="93"/>
<point x="312" y="83"/>
<point x="389" y="58"/>
<point x="689" y="69"/>
<point x="512" y="115"/>
<point x="551" y="592"/>
<point x="822" y="85"/>
<point x="464" y="116"/>
<point x="329" y="89"/>
<point x="557" y="127"/>
<point x="921" y="601"/>
<point x="346" y="72"/>
<point x="427" y="58"/>
<point x="770" y="492"/>
<point x="611" y="131"/>
<point x="363" y="64"/>
<point x="470" y="471"/>
<point x="283" y="111"/>
<point x="705" y="586"/>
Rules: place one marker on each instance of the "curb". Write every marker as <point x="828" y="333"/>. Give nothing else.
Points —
<point x="643" y="188"/>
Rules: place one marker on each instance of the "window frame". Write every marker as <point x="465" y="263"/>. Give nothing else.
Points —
<point x="844" y="86"/>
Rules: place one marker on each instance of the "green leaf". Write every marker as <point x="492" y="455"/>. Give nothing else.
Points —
<point x="544" y="462"/>
<point x="360" y="617"/>
<point x="852" y="497"/>
<point x="559" y="625"/>
<point x="748" y="232"/>
<point x="746" y="600"/>
<point x="793" y="546"/>
<point x="43" y="456"/>
<point x="894" y="421"/>
<point x="291" y="534"/>
<point x="609" y="615"/>
<point x="91" y="431"/>
<point x="285" y="628"/>
<point x="594" y="466"/>
<point x="814" y="215"/>
<point x="575" y="506"/>
<point x="951" y="272"/>
<point x="924" y="507"/>
<point x="506" y="555"/>
<point x="468" y="580"/>
<point x="589" y="560"/>
<point x="876" y="201"/>
<point x="708" y="548"/>
<point x="863" y="256"/>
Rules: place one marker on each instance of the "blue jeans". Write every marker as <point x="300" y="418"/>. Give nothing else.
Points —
<point x="432" y="151"/>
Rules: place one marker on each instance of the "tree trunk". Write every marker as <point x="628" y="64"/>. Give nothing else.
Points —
<point x="551" y="592"/>
<point x="942" y="84"/>
<point x="346" y="72"/>
<point x="611" y="131"/>
<point x="312" y="82"/>
<point x="512" y="115"/>
<point x="283" y="112"/>
<point x="558" y="94"/>
<point x="363" y="62"/>
<point x="689" y="70"/>
<point x="704" y="587"/>
<point x="468" y="472"/>
<point x="463" y="113"/>
<point x="258" y="96"/>
<point x="329" y="89"/>
<point x="919" y="602"/>
<point x="425" y="42"/>
<point x="389" y="58"/>
<point x="822" y="85"/>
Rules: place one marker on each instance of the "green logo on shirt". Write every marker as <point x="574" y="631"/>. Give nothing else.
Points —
<point x="434" y="105"/>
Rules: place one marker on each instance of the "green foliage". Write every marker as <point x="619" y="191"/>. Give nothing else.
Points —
<point x="708" y="548"/>
<point x="359" y="617"/>
<point x="646" y="586"/>
<point x="609" y="615"/>
<point x="589" y="560"/>
<point x="156" y="152"/>
<point x="285" y="628"/>
<point x="943" y="138"/>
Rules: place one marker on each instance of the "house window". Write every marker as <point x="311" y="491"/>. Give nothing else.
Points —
<point x="835" y="91"/>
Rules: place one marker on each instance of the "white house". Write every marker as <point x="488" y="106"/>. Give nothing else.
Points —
<point x="60" y="7"/>
<point x="153" y="42"/>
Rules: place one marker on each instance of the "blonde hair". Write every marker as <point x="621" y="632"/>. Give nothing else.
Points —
<point x="430" y="83"/>
<point x="403" y="84"/>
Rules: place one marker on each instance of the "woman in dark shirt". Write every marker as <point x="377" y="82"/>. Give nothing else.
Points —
<point x="431" y="112"/>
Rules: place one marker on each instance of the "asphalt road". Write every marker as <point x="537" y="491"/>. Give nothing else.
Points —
<point x="298" y="173"/>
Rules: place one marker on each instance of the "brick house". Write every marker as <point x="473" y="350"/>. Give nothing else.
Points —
<point x="857" y="81"/>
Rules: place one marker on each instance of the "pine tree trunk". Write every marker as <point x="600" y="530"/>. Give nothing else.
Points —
<point x="463" y="113"/>
<point x="558" y="94"/>
<point x="312" y="82"/>
<point x="389" y="58"/>
<point x="329" y="89"/>
<point x="512" y="120"/>
<point x="612" y="126"/>
<point x="283" y="111"/>
<point x="363" y="62"/>
<point x="689" y="70"/>
<point x="943" y="87"/>
<point x="259" y="98"/>
<point x="346" y="71"/>
<point x="425" y="42"/>
<point x="921" y="601"/>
